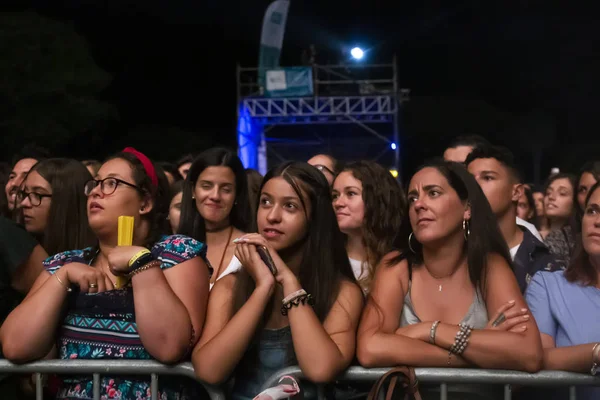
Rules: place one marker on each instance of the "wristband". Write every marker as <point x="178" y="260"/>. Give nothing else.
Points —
<point x="141" y="261"/>
<point x="136" y="256"/>
<point x="292" y="296"/>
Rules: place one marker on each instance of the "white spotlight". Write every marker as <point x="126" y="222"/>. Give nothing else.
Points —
<point x="357" y="53"/>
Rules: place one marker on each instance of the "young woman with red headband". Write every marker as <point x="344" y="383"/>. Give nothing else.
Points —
<point x="158" y="314"/>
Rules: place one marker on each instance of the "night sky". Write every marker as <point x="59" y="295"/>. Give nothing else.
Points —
<point x="173" y="63"/>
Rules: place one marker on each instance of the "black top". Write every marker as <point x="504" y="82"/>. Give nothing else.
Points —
<point x="16" y="246"/>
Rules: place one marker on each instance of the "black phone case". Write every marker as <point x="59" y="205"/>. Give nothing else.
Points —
<point x="266" y="257"/>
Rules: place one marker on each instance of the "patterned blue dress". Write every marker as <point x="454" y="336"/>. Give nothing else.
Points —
<point x="102" y="326"/>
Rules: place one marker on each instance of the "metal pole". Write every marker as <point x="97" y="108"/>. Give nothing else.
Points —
<point x="238" y="99"/>
<point x="396" y="121"/>
<point x="238" y="83"/>
<point x="315" y="68"/>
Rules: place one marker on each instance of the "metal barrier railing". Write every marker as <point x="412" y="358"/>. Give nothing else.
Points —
<point x="442" y="376"/>
<point x="445" y="376"/>
<point x="97" y="368"/>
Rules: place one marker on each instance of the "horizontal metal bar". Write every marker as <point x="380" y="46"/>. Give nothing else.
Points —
<point x="457" y="375"/>
<point x="353" y="66"/>
<point x="321" y="99"/>
<point x="125" y="367"/>
<point x="106" y="367"/>
<point x="330" y="66"/>
<point x="355" y="81"/>
<point x="276" y="121"/>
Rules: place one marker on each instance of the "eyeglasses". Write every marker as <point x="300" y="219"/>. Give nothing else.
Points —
<point x="323" y="169"/>
<point x="34" y="198"/>
<point x="107" y="185"/>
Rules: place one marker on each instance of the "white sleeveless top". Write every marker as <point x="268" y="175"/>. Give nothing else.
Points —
<point x="234" y="266"/>
<point x="360" y="270"/>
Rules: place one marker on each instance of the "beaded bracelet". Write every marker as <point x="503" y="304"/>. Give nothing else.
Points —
<point x="191" y="343"/>
<point x="461" y="340"/>
<point x="295" y="302"/>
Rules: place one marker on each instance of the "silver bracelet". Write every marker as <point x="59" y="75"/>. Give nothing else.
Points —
<point x="595" y="365"/>
<point x="432" y="332"/>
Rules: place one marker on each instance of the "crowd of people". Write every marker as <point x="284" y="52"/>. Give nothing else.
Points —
<point x="318" y="264"/>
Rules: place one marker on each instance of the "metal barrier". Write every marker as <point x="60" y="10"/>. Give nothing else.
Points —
<point x="444" y="376"/>
<point x="96" y="368"/>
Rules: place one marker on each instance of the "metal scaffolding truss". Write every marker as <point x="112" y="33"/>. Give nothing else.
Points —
<point x="321" y="110"/>
<point x="366" y="95"/>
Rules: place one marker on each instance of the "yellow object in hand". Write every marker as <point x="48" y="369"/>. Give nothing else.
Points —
<point x="125" y="238"/>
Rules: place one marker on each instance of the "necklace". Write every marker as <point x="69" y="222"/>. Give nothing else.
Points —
<point x="440" y="277"/>
<point x="216" y="273"/>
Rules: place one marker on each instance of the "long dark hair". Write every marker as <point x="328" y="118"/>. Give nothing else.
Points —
<point x="324" y="259"/>
<point x="590" y="167"/>
<point x="580" y="268"/>
<point x="160" y="195"/>
<point x="573" y="221"/>
<point x="67" y="226"/>
<point x="192" y="224"/>
<point x="254" y="179"/>
<point x="385" y="206"/>
<point x="485" y="237"/>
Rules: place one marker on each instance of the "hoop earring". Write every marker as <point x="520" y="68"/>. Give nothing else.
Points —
<point x="466" y="229"/>
<point x="409" y="245"/>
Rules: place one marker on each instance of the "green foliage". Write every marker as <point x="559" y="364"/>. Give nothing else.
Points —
<point x="49" y="83"/>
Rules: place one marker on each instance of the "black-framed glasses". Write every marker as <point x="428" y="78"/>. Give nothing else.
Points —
<point x="323" y="168"/>
<point x="34" y="198"/>
<point x="107" y="185"/>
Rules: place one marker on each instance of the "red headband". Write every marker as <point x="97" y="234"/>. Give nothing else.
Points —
<point x="148" y="167"/>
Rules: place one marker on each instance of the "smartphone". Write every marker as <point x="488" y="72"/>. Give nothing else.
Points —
<point x="266" y="257"/>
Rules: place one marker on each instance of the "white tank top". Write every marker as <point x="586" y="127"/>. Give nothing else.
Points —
<point x="234" y="266"/>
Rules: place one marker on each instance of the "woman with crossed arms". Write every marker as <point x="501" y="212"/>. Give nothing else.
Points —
<point x="429" y="305"/>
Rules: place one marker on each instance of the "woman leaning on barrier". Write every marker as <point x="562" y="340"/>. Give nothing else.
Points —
<point x="429" y="305"/>
<point x="75" y="309"/>
<point x="566" y="304"/>
<point x="261" y="320"/>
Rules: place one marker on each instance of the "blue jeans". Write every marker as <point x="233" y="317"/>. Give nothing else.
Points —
<point x="273" y="351"/>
